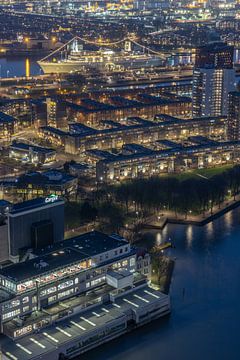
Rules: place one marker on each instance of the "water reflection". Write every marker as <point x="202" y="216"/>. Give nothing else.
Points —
<point x="205" y="323"/>
<point x="209" y="230"/>
<point x="228" y="220"/>
<point x="11" y="67"/>
<point x="189" y="236"/>
<point x="159" y="239"/>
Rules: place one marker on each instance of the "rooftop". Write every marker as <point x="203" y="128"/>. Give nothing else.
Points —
<point x="63" y="254"/>
<point x="82" y="325"/>
<point x="27" y="147"/>
<point x="34" y="204"/>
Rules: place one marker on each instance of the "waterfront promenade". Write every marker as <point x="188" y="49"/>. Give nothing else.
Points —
<point x="170" y="217"/>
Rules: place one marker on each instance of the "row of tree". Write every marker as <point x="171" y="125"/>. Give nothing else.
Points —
<point x="195" y="194"/>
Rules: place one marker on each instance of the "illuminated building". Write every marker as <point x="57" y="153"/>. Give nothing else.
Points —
<point x="76" y="295"/>
<point x="34" y="224"/>
<point x="234" y="116"/>
<point x="31" y="153"/>
<point x="213" y="79"/>
<point x="33" y="185"/>
<point x="135" y="130"/>
<point x="56" y="112"/>
<point x="8" y="125"/>
<point x="174" y="159"/>
<point x="93" y="112"/>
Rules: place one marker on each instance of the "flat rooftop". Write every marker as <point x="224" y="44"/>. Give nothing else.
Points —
<point x="33" y="204"/>
<point x="36" y="346"/>
<point x="26" y="147"/>
<point x="62" y="254"/>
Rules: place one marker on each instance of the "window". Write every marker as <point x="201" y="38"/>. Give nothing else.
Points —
<point x="10" y="305"/>
<point x="52" y="298"/>
<point x="11" y="314"/>
<point x="65" y="293"/>
<point x="97" y="281"/>
<point x="87" y="284"/>
<point x="25" y="300"/>
<point x="25" y="308"/>
<point x="132" y="262"/>
<point x="65" y="284"/>
<point x="76" y="281"/>
<point x="48" y="291"/>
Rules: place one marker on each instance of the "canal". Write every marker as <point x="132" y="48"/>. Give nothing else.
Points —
<point x="205" y="292"/>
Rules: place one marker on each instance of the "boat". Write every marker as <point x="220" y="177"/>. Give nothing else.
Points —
<point x="70" y="59"/>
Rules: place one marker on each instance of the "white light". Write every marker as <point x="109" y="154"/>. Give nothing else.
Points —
<point x="130" y="302"/>
<point x="88" y="321"/>
<point x="107" y="311"/>
<point x="50" y="337"/>
<point x="94" y="313"/>
<point x="11" y="356"/>
<point x="117" y="306"/>
<point x="24" y="349"/>
<point x="63" y="332"/>
<point x="38" y="343"/>
<point x="77" y="325"/>
<point x="149" y="293"/>
<point x="140" y="298"/>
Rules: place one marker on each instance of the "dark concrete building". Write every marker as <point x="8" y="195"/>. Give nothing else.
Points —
<point x="35" y="224"/>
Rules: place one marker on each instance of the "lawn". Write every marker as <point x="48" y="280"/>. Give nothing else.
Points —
<point x="208" y="173"/>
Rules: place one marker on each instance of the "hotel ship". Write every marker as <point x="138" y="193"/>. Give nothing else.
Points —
<point x="73" y="58"/>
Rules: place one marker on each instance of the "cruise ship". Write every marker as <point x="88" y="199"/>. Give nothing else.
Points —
<point x="104" y="59"/>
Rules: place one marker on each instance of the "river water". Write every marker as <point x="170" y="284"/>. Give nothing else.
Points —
<point x="205" y="295"/>
<point x="10" y="67"/>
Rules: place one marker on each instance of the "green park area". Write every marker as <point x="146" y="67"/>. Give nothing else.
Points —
<point x="115" y="207"/>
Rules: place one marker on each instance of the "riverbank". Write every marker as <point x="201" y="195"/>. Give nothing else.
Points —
<point x="169" y="217"/>
<point x="162" y="271"/>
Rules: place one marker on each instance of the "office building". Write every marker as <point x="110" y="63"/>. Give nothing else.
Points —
<point x="234" y="116"/>
<point x="35" y="184"/>
<point x="213" y="79"/>
<point x="74" y="296"/>
<point x="31" y="153"/>
<point x="34" y="224"/>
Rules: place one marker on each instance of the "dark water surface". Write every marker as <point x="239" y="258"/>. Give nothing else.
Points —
<point x="10" y="67"/>
<point x="205" y="319"/>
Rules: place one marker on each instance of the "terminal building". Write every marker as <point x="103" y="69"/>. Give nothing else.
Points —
<point x="75" y="295"/>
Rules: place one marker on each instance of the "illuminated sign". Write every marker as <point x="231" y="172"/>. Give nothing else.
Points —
<point x="50" y="199"/>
